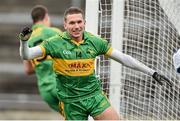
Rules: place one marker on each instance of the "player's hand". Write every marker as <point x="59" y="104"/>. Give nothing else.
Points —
<point x="25" y="34"/>
<point x="161" y="79"/>
<point x="176" y="61"/>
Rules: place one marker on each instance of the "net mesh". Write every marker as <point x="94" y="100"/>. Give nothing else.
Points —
<point x="150" y="34"/>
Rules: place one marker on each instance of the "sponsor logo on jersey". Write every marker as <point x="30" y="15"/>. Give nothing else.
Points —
<point x="78" y="67"/>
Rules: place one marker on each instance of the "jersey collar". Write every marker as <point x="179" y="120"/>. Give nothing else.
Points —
<point x="37" y="26"/>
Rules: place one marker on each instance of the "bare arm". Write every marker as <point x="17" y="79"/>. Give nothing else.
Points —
<point x="28" y="66"/>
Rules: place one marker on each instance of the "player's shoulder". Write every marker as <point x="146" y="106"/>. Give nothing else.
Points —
<point x="92" y="37"/>
<point x="37" y="31"/>
<point x="55" y="37"/>
<point x="36" y="34"/>
<point x="56" y="29"/>
<point x="52" y="29"/>
<point x="46" y="28"/>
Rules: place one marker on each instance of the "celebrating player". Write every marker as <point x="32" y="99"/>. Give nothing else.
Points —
<point x="43" y="65"/>
<point x="74" y="53"/>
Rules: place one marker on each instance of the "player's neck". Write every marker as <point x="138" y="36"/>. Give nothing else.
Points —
<point x="77" y="39"/>
<point x="42" y="22"/>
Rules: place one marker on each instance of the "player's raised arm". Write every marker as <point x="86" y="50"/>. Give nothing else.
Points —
<point x="27" y="53"/>
<point x="135" y="64"/>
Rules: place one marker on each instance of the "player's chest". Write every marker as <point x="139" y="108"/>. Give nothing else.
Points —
<point x="72" y="51"/>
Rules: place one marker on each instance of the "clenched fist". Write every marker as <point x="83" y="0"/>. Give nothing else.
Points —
<point x="161" y="79"/>
<point x="25" y="34"/>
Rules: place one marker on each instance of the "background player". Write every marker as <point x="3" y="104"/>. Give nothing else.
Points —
<point x="42" y="66"/>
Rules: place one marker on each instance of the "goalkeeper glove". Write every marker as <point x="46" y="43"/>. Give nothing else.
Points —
<point x="25" y="34"/>
<point x="176" y="61"/>
<point x="160" y="79"/>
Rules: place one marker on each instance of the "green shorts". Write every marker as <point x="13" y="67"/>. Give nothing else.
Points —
<point x="80" y="110"/>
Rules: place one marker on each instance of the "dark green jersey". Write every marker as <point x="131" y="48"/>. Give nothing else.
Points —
<point x="43" y="65"/>
<point x="74" y="64"/>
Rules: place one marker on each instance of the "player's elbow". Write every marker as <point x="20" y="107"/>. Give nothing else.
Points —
<point x="29" y="71"/>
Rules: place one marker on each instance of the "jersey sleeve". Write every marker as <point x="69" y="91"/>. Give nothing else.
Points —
<point x="57" y="30"/>
<point x="103" y="47"/>
<point x="43" y="51"/>
<point x="45" y="47"/>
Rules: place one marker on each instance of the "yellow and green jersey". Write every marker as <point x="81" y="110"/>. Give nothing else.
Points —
<point x="74" y="64"/>
<point x="43" y="65"/>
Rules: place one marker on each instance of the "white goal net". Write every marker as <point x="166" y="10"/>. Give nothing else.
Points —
<point x="151" y="33"/>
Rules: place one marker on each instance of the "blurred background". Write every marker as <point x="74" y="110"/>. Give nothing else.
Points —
<point x="19" y="96"/>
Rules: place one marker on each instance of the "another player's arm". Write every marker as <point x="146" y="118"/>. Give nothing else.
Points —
<point x="28" y="66"/>
<point x="27" y="53"/>
<point x="135" y="64"/>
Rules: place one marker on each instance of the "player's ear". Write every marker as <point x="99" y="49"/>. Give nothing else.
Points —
<point x="65" y="27"/>
<point x="47" y="20"/>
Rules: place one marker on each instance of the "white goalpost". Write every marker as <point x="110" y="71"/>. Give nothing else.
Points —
<point x="115" y="68"/>
<point x="148" y="30"/>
